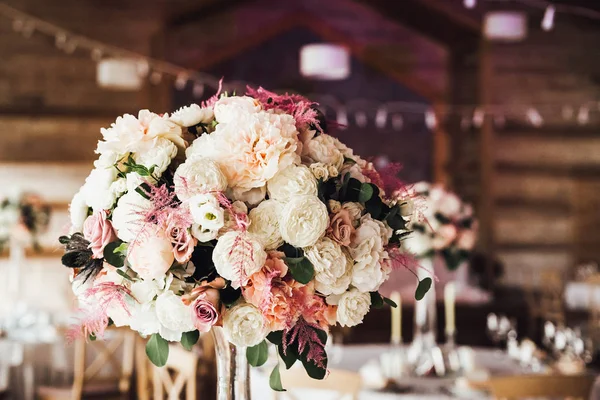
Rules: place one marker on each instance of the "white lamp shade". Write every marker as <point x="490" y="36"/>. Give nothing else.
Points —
<point x="119" y="74"/>
<point x="507" y="26"/>
<point x="325" y="61"/>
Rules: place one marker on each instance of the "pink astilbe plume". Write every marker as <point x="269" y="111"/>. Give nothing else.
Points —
<point x="399" y="259"/>
<point x="94" y="318"/>
<point x="390" y="181"/>
<point x="214" y="98"/>
<point x="163" y="203"/>
<point x="241" y="219"/>
<point x="307" y="337"/>
<point x="241" y="254"/>
<point x="296" y="105"/>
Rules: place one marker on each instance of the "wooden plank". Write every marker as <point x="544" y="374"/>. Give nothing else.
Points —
<point x="515" y="262"/>
<point x="526" y="226"/>
<point x="534" y="187"/>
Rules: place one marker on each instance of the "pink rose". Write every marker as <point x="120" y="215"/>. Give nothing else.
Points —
<point x="444" y="236"/>
<point x="182" y="240"/>
<point x="99" y="232"/>
<point x="466" y="240"/>
<point x="340" y="229"/>
<point x="204" y="310"/>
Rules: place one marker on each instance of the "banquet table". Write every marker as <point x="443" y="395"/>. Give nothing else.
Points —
<point x="354" y="357"/>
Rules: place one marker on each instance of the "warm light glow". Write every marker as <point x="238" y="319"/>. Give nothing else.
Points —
<point x="534" y="117"/>
<point x="548" y="20"/>
<point x="507" y="26"/>
<point x="430" y="119"/>
<point x="470" y="3"/>
<point x="325" y="61"/>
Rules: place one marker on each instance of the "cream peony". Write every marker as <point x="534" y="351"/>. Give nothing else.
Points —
<point x="322" y="149"/>
<point x="198" y="175"/>
<point x="230" y="109"/>
<point x="244" y="325"/>
<point x="367" y="251"/>
<point x="250" y="149"/>
<point x="237" y="256"/>
<point x="174" y="316"/>
<point x="128" y="216"/>
<point x="352" y="307"/>
<point x="264" y="224"/>
<point x="151" y="254"/>
<point x="78" y="211"/>
<point x="332" y="267"/>
<point x="303" y="221"/>
<point x="96" y="188"/>
<point x="159" y="156"/>
<point x="293" y="181"/>
<point x="192" y="115"/>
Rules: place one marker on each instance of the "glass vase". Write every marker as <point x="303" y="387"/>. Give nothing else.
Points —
<point x="233" y="370"/>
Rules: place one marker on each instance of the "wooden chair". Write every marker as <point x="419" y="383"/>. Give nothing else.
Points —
<point x="346" y="383"/>
<point x="545" y="386"/>
<point x="89" y="379"/>
<point x="180" y="371"/>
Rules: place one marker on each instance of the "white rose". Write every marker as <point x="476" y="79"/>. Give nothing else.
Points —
<point x="198" y="175"/>
<point x="303" y="221"/>
<point x="192" y="115"/>
<point x="151" y="254"/>
<point x="352" y="307"/>
<point x="229" y="109"/>
<point x="333" y="171"/>
<point x="292" y="181"/>
<point x="78" y="211"/>
<point x="320" y="170"/>
<point x="355" y="210"/>
<point x="237" y="256"/>
<point x="334" y="206"/>
<point x="128" y="216"/>
<point x="368" y="272"/>
<point x="331" y="267"/>
<point x="322" y="148"/>
<point x="96" y="189"/>
<point x="159" y="156"/>
<point x="264" y="224"/>
<point x="173" y="315"/>
<point x="244" y="325"/>
<point x="252" y="197"/>
<point x="207" y="212"/>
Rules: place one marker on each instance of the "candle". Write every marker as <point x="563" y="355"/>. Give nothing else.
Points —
<point x="421" y="311"/>
<point x="449" y="303"/>
<point x="396" y="318"/>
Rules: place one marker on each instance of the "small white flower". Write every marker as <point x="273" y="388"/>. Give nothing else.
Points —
<point x="229" y="109"/>
<point x="159" y="156"/>
<point x="96" y="189"/>
<point x="78" y="211"/>
<point x="196" y="176"/>
<point x="264" y="224"/>
<point x="320" y="170"/>
<point x="173" y="315"/>
<point x="207" y="212"/>
<point x="332" y="267"/>
<point x="192" y="115"/>
<point x="303" y="221"/>
<point x="323" y="149"/>
<point x="352" y="307"/>
<point x="244" y="325"/>
<point x="202" y="234"/>
<point x="237" y="256"/>
<point x="127" y="217"/>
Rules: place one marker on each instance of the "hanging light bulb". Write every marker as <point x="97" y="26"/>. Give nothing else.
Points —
<point x="430" y="119"/>
<point x="96" y="54"/>
<point x="470" y="3"/>
<point x="342" y="118"/>
<point x="478" y="117"/>
<point x="60" y="40"/>
<point x="155" y="77"/>
<point x="361" y="118"/>
<point x="584" y="115"/>
<point x="17" y="25"/>
<point x="381" y="117"/>
<point x="70" y="46"/>
<point x="397" y="122"/>
<point x="143" y="68"/>
<point x="198" y="90"/>
<point x="28" y="29"/>
<point x="534" y="117"/>
<point x="548" y="20"/>
<point x="181" y="81"/>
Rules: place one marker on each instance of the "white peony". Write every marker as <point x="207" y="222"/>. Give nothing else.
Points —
<point x="251" y="149"/>
<point x="264" y="224"/>
<point x="96" y="189"/>
<point x="244" y="325"/>
<point x="151" y="254"/>
<point x="207" y="212"/>
<point x="143" y="319"/>
<point x="159" y="156"/>
<point x="78" y="211"/>
<point x="293" y="181"/>
<point x="230" y="109"/>
<point x="108" y="159"/>
<point x="128" y="216"/>
<point x="303" y="221"/>
<point x="175" y="317"/>
<point x="198" y="175"/>
<point x="352" y="307"/>
<point x="323" y="149"/>
<point x="369" y="271"/>
<point x="192" y="115"/>
<point x="332" y="267"/>
<point x="237" y="256"/>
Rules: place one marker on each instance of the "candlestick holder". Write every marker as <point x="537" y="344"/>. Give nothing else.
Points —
<point x="451" y="357"/>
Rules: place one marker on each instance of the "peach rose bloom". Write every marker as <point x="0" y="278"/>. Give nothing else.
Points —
<point x="340" y="228"/>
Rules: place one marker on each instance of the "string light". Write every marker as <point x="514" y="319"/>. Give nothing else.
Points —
<point x="478" y="117"/>
<point x="430" y="119"/>
<point x="470" y="3"/>
<point x="96" y="55"/>
<point x="499" y="121"/>
<point x="17" y="25"/>
<point x="465" y="123"/>
<point x="583" y="117"/>
<point x="397" y="122"/>
<point x="155" y="77"/>
<point x="342" y="117"/>
<point x="534" y="117"/>
<point x="181" y="81"/>
<point x="60" y="39"/>
<point x="70" y="46"/>
<point x="381" y="117"/>
<point x="548" y="20"/>
<point x="361" y="118"/>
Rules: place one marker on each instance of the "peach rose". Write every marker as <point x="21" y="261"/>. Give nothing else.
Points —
<point x="182" y="240"/>
<point x="340" y="229"/>
<point x="99" y="231"/>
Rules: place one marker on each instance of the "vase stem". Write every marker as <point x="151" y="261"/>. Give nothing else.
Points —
<point x="233" y="370"/>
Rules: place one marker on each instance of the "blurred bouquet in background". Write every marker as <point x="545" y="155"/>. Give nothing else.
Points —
<point x="23" y="217"/>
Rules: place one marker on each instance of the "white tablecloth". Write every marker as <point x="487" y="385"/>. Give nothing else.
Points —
<point x="353" y="357"/>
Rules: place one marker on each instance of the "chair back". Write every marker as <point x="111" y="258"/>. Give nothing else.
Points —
<point x="545" y="386"/>
<point x="347" y="384"/>
<point x="179" y="372"/>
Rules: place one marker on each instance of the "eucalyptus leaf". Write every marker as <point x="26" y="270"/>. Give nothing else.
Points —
<point x="376" y="300"/>
<point x="422" y="288"/>
<point x="112" y="257"/>
<point x="189" y="339"/>
<point x="365" y="193"/>
<point x="258" y="355"/>
<point x="157" y="350"/>
<point x="275" y="380"/>
<point x="390" y="302"/>
<point x="124" y="275"/>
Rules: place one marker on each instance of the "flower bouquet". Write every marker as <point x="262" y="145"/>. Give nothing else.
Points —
<point x="23" y="217"/>
<point x="242" y="214"/>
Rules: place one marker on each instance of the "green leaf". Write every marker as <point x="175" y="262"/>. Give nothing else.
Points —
<point x="124" y="275"/>
<point x="189" y="339"/>
<point x="258" y="355"/>
<point x="422" y="288"/>
<point x="376" y="300"/>
<point x="390" y="302"/>
<point x="348" y="160"/>
<point x="115" y="259"/>
<point x="290" y="356"/>
<point x="275" y="380"/>
<point x="314" y="371"/>
<point x="92" y="337"/>
<point x="301" y="269"/>
<point x="122" y="249"/>
<point x="157" y="350"/>
<point x="229" y="295"/>
<point x="365" y="193"/>
<point x="275" y="337"/>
